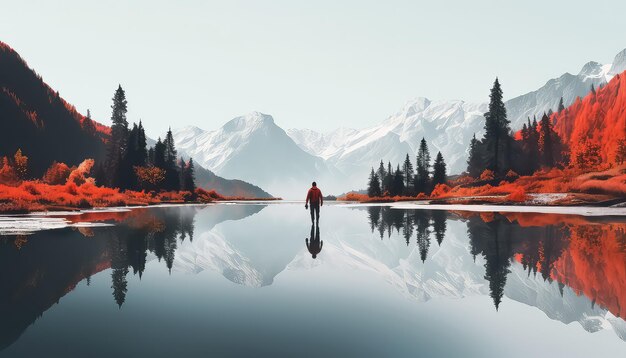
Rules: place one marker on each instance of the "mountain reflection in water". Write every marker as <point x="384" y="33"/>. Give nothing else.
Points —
<point x="586" y="256"/>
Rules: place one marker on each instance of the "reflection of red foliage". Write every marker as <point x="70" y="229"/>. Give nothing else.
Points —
<point x="594" y="264"/>
<point x="594" y="261"/>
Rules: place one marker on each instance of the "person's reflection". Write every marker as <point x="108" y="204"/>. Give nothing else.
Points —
<point x="315" y="245"/>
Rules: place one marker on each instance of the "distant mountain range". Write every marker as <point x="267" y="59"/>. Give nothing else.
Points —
<point x="253" y="147"/>
<point x="37" y="120"/>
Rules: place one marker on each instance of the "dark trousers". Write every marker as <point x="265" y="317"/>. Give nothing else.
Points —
<point x="315" y="211"/>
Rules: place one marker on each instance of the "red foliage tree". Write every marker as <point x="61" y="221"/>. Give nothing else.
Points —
<point x="57" y="174"/>
<point x="599" y="119"/>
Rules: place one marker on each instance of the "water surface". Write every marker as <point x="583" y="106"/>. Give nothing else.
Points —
<point x="241" y="280"/>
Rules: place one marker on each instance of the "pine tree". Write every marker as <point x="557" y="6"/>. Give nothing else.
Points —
<point x="407" y="168"/>
<point x="116" y="146"/>
<point x="497" y="130"/>
<point x="88" y="126"/>
<point x="159" y="154"/>
<point x="561" y="107"/>
<point x="181" y="172"/>
<point x="142" y="151"/>
<point x="172" y="179"/>
<point x="382" y="173"/>
<point x="373" y="187"/>
<point x="593" y="89"/>
<point x="397" y="187"/>
<point x="422" y="168"/>
<point x="439" y="170"/>
<point x="388" y="181"/>
<point x="190" y="179"/>
<point x="474" y="162"/>
<point x="150" y="160"/>
<point x="546" y="141"/>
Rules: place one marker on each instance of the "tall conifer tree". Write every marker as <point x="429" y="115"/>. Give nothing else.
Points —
<point x="422" y="168"/>
<point x="439" y="170"/>
<point x="407" y="168"/>
<point x="497" y="137"/>
<point x="373" y="187"/>
<point x="116" y="146"/>
<point x="474" y="162"/>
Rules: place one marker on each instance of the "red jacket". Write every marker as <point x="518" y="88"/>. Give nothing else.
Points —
<point x="314" y="196"/>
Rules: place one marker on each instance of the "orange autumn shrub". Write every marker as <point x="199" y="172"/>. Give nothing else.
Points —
<point x="354" y="197"/>
<point x="150" y="176"/>
<point x="78" y="176"/>
<point x="57" y="174"/>
<point x="207" y="196"/>
<point x="511" y="175"/>
<point x="487" y="175"/>
<point x="440" y="191"/>
<point x="518" y="195"/>
<point x="8" y="174"/>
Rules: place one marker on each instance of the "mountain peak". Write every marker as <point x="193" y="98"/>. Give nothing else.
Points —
<point x="248" y="121"/>
<point x="415" y="105"/>
<point x="591" y="68"/>
<point x="619" y="63"/>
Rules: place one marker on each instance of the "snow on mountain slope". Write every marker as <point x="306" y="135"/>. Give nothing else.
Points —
<point x="253" y="148"/>
<point x="547" y="98"/>
<point x="448" y="126"/>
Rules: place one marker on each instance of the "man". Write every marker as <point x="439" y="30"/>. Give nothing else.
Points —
<point x="314" y="196"/>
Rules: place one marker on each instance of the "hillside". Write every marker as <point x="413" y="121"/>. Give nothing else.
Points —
<point x="598" y="119"/>
<point x="36" y="119"/>
<point x="228" y="187"/>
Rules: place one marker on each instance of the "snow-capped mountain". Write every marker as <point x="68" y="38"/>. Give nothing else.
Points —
<point x="448" y="126"/>
<point x="253" y="148"/>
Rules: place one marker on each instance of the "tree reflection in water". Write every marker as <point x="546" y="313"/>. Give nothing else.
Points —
<point x="586" y="254"/>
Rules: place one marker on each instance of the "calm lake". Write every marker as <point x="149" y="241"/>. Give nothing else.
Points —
<point x="241" y="280"/>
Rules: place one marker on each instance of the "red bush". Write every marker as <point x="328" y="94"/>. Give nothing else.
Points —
<point x="57" y="174"/>
<point x="518" y="195"/>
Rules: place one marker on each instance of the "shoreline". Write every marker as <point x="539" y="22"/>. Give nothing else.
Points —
<point x="74" y="210"/>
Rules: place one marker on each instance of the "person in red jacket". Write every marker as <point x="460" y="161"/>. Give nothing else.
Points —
<point x="314" y="197"/>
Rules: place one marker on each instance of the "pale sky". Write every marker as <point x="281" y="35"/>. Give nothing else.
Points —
<point x="311" y="64"/>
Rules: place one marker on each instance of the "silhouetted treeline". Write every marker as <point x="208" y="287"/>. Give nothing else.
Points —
<point x="499" y="152"/>
<point x="404" y="180"/>
<point x="131" y="165"/>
